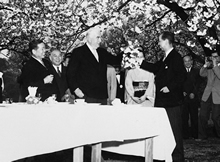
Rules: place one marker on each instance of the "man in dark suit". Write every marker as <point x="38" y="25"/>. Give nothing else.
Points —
<point x="86" y="72"/>
<point x="36" y="72"/>
<point x="169" y="78"/>
<point x="59" y="73"/>
<point x="191" y="100"/>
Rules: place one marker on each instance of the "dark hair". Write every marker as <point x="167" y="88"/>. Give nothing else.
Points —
<point x="34" y="44"/>
<point x="168" y="35"/>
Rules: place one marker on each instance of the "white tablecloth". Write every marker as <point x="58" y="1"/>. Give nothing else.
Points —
<point x="28" y="130"/>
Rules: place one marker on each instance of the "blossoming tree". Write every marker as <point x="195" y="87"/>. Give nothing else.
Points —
<point x="62" y="24"/>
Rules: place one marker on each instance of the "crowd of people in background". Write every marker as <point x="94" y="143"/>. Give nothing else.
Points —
<point x="92" y="73"/>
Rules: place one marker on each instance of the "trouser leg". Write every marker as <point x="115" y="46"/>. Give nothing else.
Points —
<point x="193" y="111"/>
<point x="174" y="115"/>
<point x="204" y="117"/>
<point x="185" y="120"/>
<point x="216" y="118"/>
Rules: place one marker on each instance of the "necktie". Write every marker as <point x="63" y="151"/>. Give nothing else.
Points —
<point x="58" y="71"/>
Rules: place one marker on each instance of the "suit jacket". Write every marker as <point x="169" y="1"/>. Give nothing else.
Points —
<point x="170" y="73"/>
<point x="33" y="74"/>
<point x="213" y="83"/>
<point x="121" y="87"/>
<point x="192" y="82"/>
<point x="88" y="74"/>
<point x="60" y="82"/>
<point x="0" y="90"/>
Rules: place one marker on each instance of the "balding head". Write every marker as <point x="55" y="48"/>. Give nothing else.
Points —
<point x="56" y="57"/>
<point x="93" y="37"/>
<point x="188" y="61"/>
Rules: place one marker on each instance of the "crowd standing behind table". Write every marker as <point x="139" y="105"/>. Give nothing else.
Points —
<point x="28" y="130"/>
<point x="44" y="128"/>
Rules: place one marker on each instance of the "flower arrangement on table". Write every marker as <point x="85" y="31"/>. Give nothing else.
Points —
<point x="33" y="99"/>
<point x="130" y="54"/>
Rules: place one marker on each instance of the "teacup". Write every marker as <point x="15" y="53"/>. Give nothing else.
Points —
<point x="80" y="101"/>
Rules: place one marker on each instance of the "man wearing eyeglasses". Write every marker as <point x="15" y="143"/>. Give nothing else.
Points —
<point x="211" y="96"/>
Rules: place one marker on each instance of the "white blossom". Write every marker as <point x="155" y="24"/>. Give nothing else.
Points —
<point x="137" y="30"/>
<point x="209" y="23"/>
<point x="201" y="33"/>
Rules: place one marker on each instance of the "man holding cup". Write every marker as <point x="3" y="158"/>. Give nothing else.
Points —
<point x="36" y="72"/>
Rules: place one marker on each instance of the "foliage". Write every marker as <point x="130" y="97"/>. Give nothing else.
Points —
<point x="63" y="23"/>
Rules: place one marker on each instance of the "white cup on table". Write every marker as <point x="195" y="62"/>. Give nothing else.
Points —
<point x="80" y="101"/>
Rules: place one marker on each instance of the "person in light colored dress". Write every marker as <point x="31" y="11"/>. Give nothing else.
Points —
<point x="139" y="85"/>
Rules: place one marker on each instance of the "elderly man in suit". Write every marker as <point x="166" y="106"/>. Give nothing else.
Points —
<point x="191" y="100"/>
<point x="86" y="72"/>
<point x="169" y="78"/>
<point x="37" y="72"/>
<point x="59" y="72"/>
<point x="211" y="96"/>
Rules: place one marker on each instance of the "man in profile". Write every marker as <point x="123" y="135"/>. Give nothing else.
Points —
<point x="86" y="72"/>
<point x="36" y="72"/>
<point x="169" y="78"/>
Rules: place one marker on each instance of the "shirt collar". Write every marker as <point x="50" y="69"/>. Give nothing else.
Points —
<point x="90" y="47"/>
<point x="39" y="60"/>
<point x="167" y="52"/>
<point x="55" y="67"/>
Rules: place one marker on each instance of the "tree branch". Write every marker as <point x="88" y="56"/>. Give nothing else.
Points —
<point x="5" y="8"/>
<point x="196" y="57"/>
<point x="158" y="18"/>
<point x="123" y="5"/>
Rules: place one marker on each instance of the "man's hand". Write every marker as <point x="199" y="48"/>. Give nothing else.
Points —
<point x="184" y="94"/>
<point x="208" y="63"/>
<point x="79" y="93"/>
<point x="191" y="96"/>
<point x="48" y="79"/>
<point x="165" y="90"/>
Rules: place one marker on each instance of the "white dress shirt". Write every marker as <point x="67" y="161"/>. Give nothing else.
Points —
<point x="94" y="52"/>
<point x="167" y="53"/>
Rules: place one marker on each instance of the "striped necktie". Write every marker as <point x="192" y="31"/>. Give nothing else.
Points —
<point x="58" y="71"/>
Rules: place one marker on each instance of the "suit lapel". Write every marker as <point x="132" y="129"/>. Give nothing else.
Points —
<point x="91" y="56"/>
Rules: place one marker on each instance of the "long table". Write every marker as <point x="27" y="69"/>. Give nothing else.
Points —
<point x="29" y="130"/>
